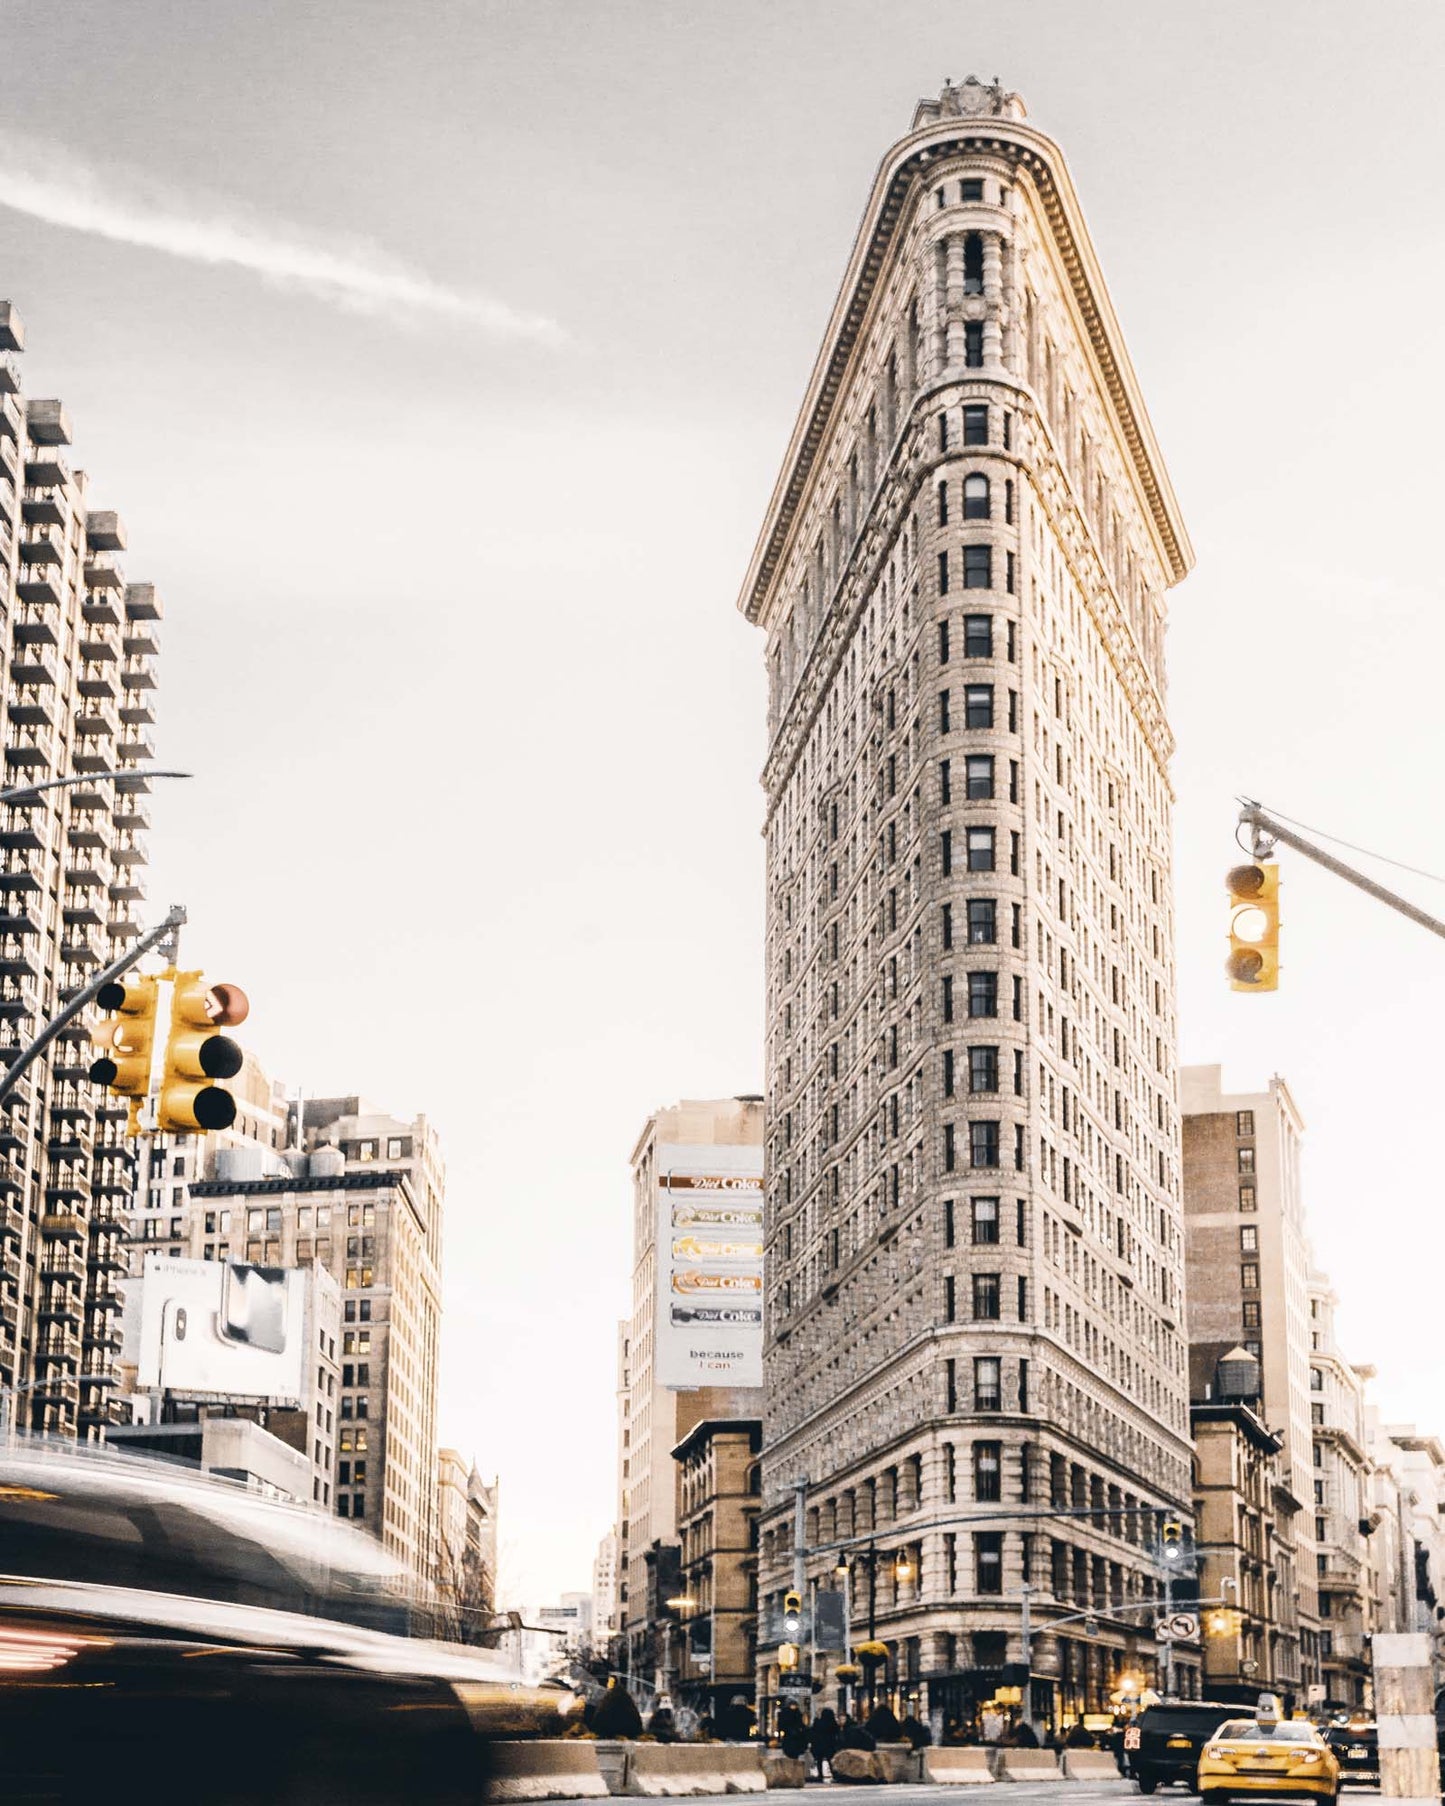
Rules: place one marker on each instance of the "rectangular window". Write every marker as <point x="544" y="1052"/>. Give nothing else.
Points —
<point x="1249" y="1278"/>
<point x="943" y="726"/>
<point x="947" y="998"/>
<point x="1249" y="1239"/>
<point x="947" y="927"/>
<point x="978" y="778"/>
<point x="945" y="851"/>
<point x="977" y="706"/>
<point x="1247" y="1199"/>
<point x="1244" y="1122"/>
<point x="943" y="642"/>
<point x="983" y="994"/>
<point x="988" y="1472"/>
<point x="978" y="636"/>
<point x="983" y="1144"/>
<point x="987" y="1307"/>
<point x="980" y="849"/>
<point x="950" y="1386"/>
<point x="970" y="191"/>
<point x="943" y="573"/>
<point x="985" y="1221"/>
<point x="948" y="1223"/>
<point x="978" y="567"/>
<point x="945" y="780"/>
<point x="1251" y="1313"/>
<point x="983" y="1069"/>
<point x="975" y="425"/>
<point x="950" y="1299"/>
<point x="988" y="1561"/>
<point x="982" y="922"/>
<point x="948" y="1069"/>
<point x="943" y="504"/>
<point x="987" y="1383"/>
<point x="973" y="344"/>
<point x="1246" y="1160"/>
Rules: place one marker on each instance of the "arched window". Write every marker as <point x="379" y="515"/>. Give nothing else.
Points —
<point x="975" y="497"/>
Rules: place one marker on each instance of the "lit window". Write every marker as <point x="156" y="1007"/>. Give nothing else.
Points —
<point x="978" y="785"/>
<point x="975" y="497"/>
<point x="985" y="1221"/>
<point x="980" y="849"/>
<point x="987" y="1383"/>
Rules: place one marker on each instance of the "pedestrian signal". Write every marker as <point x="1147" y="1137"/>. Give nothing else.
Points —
<point x="198" y="1053"/>
<point x="127" y="1033"/>
<point x="1253" y="963"/>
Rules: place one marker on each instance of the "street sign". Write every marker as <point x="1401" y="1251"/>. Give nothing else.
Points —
<point x="795" y="1683"/>
<point x="1178" y="1627"/>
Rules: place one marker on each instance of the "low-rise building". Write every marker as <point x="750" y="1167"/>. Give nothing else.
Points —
<point x="1341" y="1502"/>
<point x="718" y="1504"/>
<point x="1245" y="1547"/>
<point x="218" y="1441"/>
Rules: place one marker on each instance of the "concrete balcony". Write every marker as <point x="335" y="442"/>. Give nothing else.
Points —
<point x="137" y="710"/>
<point x="81" y="910"/>
<point x="32" y="670"/>
<point x="57" y="1351"/>
<point x="9" y="374"/>
<point x="63" y="1226"/>
<point x="138" y="674"/>
<point x="141" y="640"/>
<point x="98" y="681"/>
<point x="82" y="947"/>
<point x="18" y="1000"/>
<point x="97" y="642"/>
<point x="33" y="627"/>
<point x="48" y="423"/>
<point x="32" y="709"/>
<point x="40" y="584"/>
<point x="11" y="420"/>
<point x="61" y="1264"/>
<point x="7" y="502"/>
<point x="104" y="531"/>
<point x="45" y="468"/>
<point x="100" y="608"/>
<point x="88" y="828"/>
<point x="129" y="888"/>
<point x="23" y="871"/>
<point x="12" y="328"/>
<point x="42" y="545"/>
<point x="44" y="505"/>
<point x="142" y="602"/>
<point x="20" y="916"/>
<point x="18" y="961"/>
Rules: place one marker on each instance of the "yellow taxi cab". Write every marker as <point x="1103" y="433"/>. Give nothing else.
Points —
<point x="1267" y="1754"/>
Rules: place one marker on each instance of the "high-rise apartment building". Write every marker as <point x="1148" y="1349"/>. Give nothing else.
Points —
<point x="974" y="1250"/>
<point x="79" y="644"/>
<point x="604" y="1590"/>
<point x="1248" y="1283"/>
<point x="654" y="1418"/>
<point x="368" y="1207"/>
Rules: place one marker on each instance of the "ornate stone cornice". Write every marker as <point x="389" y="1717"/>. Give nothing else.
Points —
<point x="876" y="245"/>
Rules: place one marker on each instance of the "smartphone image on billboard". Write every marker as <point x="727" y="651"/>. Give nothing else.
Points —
<point x="253" y="1307"/>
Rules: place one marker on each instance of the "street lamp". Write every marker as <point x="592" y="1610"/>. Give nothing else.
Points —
<point x="24" y="792"/>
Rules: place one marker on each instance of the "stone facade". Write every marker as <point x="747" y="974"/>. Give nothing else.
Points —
<point x="1248" y="1282"/>
<point x="974" y="1307"/>
<point x="80" y="648"/>
<point x="717" y="1509"/>
<point x="1245" y="1542"/>
<point x="652" y="1419"/>
<point x="1341" y="1501"/>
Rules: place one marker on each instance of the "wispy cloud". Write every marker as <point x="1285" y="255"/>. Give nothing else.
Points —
<point x="131" y="208"/>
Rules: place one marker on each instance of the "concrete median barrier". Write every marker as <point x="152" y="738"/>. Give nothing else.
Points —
<point x="896" y="1762"/>
<point x="1090" y="1765"/>
<point x="665" y="1771"/>
<point x="547" y="1769"/>
<point x="1028" y="1765"/>
<point x="964" y="1766"/>
<point x="784" y="1771"/>
<point x="854" y="1766"/>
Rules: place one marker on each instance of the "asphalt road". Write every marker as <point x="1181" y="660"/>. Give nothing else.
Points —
<point x="1019" y="1793"/>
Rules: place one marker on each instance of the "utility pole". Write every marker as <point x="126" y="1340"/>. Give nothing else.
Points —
<point x="1026" y="1651"/>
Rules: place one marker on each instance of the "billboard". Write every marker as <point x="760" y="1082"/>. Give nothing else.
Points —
<point x="223" y="1328"/>
<point x="709" y="1266"/>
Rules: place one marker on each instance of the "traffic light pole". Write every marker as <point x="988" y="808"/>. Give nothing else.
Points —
<point x="1267" y="830"/>
<point x="166" y="931"/>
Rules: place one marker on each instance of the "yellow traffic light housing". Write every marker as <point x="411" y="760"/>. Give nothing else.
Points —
<point x="792" y="1615"/>
<point x="127" y="1033"/>
<point x="1253" y="963"/>
<point x="198" y="1053"/>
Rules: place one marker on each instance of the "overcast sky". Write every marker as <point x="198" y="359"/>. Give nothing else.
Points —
<point x="440" y="357"/>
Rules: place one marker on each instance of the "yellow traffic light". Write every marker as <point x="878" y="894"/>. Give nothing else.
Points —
<point x="127" y="1033"/>
<point x="792" y="1615"/>
<point x="787" y="1655"/>
<point x="1253" y="963"/>
<point x="197" y="1053"/>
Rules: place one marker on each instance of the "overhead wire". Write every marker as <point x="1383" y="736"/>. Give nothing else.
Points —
<point x="1337" y="840"/>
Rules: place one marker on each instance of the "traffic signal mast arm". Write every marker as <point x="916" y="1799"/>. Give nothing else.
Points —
<point x="174" y="921"/>
<point x="1267" y="831"/>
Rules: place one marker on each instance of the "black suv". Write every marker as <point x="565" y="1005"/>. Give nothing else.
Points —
<point x="1164" y="1742"/>
<point x="1357" y="1749"/>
